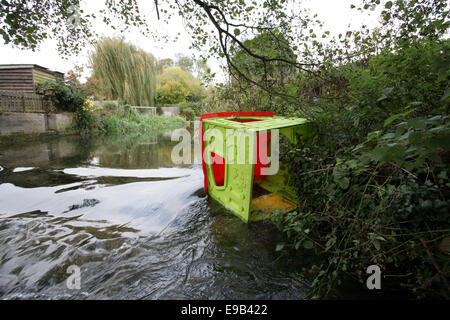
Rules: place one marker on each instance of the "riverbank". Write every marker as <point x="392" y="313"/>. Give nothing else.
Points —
<point x="123" y="121"/>
<point x="85" y="122"/>
<point x="28" y="137"/>
<point x="131" y="122"/>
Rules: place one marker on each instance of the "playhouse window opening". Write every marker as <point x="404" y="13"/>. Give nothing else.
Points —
<point x="218" y="169"/>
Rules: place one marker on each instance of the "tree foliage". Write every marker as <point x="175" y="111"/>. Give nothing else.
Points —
<point x="161" y="64"/>
<point x="171" y="92"/>
<point x="180" y="81"/>
<point x="274" y="75"/>
<point x="26" y="24"/>
<point x="125" y="72"/>
<point x="185" y="62"/>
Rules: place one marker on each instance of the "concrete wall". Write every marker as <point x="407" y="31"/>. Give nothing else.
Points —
<point x="170" y="111"/>
<point x="15" y="122"/>
<point x="32" y="123"/>
<point x="60" y="121"/>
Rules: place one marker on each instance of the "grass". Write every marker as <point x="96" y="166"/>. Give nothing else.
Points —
<point x="132" y="122"/>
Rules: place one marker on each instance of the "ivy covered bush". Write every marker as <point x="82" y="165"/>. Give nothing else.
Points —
<point x="374" y="189"/>
<point x="64" y="97"/>
<point x="382" y="202"/>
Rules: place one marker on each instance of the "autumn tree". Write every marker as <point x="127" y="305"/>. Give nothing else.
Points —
<point x="177" y="77"/>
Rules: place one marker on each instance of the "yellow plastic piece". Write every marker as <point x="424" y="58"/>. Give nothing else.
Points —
<point x="270" y="202"/>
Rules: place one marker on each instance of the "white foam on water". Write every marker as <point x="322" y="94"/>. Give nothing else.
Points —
<point x="138" y="173"/>
<point x="148" y="206"/>
<point x="21" y="169"/>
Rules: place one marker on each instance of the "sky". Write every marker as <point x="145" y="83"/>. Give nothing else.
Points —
<point x="336" y="14"/>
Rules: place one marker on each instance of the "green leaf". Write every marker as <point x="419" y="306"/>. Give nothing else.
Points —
<point x="380" y="154"/>
<point x="388" y="5"/>
<point x="446" y="94"/>
<point x="377" y="245"/>
<point x="373" y="134"/>
<point x="391" y="119"/>
<point x="415" y="103"/>
<point x="389" y="135"/>
<point x="418" y="123"/>
<point x="330" y="242"/>
<point x="387" y="91"/>
<point x="415" y="137"/>
<point x="308" y="244"/>
<point x="343" y="182"/>
<point x="442" y="175"/>
<point x="237" y="32"/>
<point x="279" y="247"/>
<point x="398" y="154"/>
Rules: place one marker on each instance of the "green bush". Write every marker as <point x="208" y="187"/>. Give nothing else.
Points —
<point x="188" y="114"/>
<point x="176" y="85"/>
<point x="382" y="202"/>
<point x="109" y="105"/>
<point x="64" y="97"/>
<point x="196" y="107"/>
<point x="85" y="121"/>
<point x="375" y="188"/>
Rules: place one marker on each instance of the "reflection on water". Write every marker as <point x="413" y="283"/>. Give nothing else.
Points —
<point x="137" y="225"/>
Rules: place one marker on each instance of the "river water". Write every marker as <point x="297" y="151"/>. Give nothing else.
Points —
<point x="137" y="226"/>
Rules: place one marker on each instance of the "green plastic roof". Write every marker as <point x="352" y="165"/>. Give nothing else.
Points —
<point x="266" y="123"/>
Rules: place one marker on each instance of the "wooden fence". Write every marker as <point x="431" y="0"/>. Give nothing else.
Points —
<point x="16" y="101"/>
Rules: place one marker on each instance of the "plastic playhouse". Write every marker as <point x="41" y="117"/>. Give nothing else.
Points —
<point x="238" y="161"/>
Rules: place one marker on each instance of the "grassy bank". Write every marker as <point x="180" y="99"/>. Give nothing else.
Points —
<point x="132" y="122"/>
<point x="123" y="121"/>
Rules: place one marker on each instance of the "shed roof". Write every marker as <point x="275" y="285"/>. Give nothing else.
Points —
<point x="26" y="66"/>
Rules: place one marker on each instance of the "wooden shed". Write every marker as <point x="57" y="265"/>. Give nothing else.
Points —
<point x="24" y="77"/>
